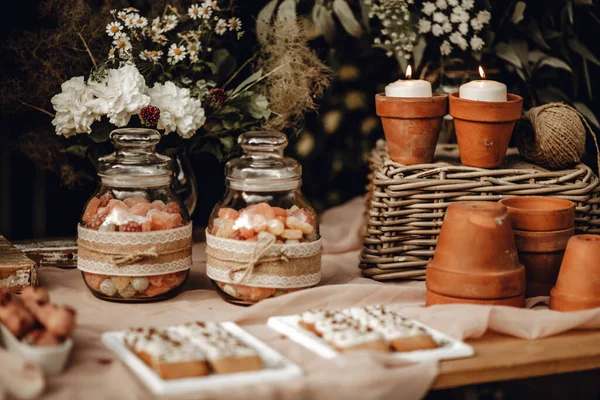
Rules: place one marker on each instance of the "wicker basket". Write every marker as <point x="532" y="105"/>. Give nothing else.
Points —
<point x="406" y="204"/>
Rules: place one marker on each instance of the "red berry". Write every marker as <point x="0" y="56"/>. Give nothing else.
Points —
<point x="172" y="208"/>
<point x="96" y="221"/>
<point x="131" y="226"/>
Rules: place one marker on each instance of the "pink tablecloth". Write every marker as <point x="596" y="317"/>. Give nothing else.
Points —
<point x="95" y="374"/>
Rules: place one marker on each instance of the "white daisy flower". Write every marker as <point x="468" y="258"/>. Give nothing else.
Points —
<point x="193" y="48"/>
<point x="424" y="25"/>
<point x="447" y="27"/>
<point x="234" y="24"/>
<point x="151" y="55"/>
<point x="194" y="11"/>
<point x="122" y="15"/>
<point x="221" y="26"/>
<point x="139" y="22"/>
<point x="212" y="4"/>
<point x="477" y="43"/>
<point x="463" y="28"/>
<point x="113" y="28"/>
<point x="468" y="4"/>
<point x="437" y="30"/>
<point x="111" y="53"/>
<point x="123" y="44"/>
<point x="205" y="11"/>
<point x="428" y="8"/>
<point x="113" y="11"/>
<point x="439" y="17"/>
<point x="129" y="21"/>
<point x="441" y="4"/>
<point x="170" y="22"/>
<point x="445" y="48"/>
<point x="176" y="54"/>
<point x="132" y="9"/>
<point x="484" y="16"/>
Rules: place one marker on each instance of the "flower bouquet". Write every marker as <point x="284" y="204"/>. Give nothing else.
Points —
<point x="174" y="73"/>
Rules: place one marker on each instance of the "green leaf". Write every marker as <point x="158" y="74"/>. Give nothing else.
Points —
<point x="536" y="34"/>
<point x="77" y="150"/>
<point x="508" y="54"/>
<point x="228" y="142"/>
<point x="570" y="11"/>
<point x="518" y="12"/>
<point x="100" y="131"/>
<point x="323" y="20"/>
<point x="551" y="94"/>
<point x="587" y="113"/>
<point x="418" y="52"/>
<point x="588" y="81"/>
<point x="225" y="63"/>
<point x="535" y="56"/>
<point x="344" y="13"/>
<point x="247" y="82"/>
<point x="263" y="20"/>
<point x="582" y="50"/>
<point x="555" y="63"/>
<point x="521" y="49"/>
<point x="258" y="106"/>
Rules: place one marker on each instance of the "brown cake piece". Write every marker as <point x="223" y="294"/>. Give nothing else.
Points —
<point x="17" y="271"/>
<point x="169" y="357"/>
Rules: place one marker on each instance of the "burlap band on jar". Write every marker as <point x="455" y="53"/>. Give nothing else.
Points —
<point x="263" y="263"/>
<point x="134" y="253"/>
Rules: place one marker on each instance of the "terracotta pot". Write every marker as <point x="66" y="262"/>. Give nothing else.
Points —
<point x="483" y="128"/>
<point x="411" y="126"/>
<point x="541" y="253"/>
<point x="578" y="283"/>
<point x="540" y="213"/>
<point x="542" y="242"/>
<point x="432" y="298"/>
<point x="475" y="256"/>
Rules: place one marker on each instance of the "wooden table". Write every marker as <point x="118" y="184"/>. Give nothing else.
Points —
<point x="500" y="358"/>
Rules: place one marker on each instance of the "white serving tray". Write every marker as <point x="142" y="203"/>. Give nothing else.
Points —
<point x="277" y="367"/>
<point x="51" y="359"/>
<point x="451" y="348"/>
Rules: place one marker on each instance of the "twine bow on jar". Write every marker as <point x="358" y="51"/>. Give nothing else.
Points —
<point x="126" y="259"/>
<point x="263" y="245"/>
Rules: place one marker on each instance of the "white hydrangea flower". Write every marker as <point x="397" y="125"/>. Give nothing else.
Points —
<point x="72" y="114"/>
<point x="468" y="4"/>
<point x="452" y="3"/>
<point x="477" y="43"/>
<point x="459" y="40"/>
<point x="428" y="8"/>
<point x="463" y="28"/>
<point x="459" y="15"/>
<point x="445" y="48"/>
<point x="476" y="25"/>
<point x="424" y="25"/>
<point x="447" y="27"/>
<point x="221" y="27"/>
<point x="441" y="4"/>
<point x="439" y="17"/>
<point x="484" y="16"/>
<point x="437" y="30"/>
<point x="176" y="53"/>
<point x="119" y="95"/>
<point x="178" y="110"/>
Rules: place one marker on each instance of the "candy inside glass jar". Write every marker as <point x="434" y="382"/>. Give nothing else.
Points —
<point x="134" y="236"/>
<point x="263" y="236"/>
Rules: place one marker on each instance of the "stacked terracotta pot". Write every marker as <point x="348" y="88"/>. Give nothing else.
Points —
<point x="542" y="227"/>
<point x="578" y="283"/>
<point x="475" y="260"/>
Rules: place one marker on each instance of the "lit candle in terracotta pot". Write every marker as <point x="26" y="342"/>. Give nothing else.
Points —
<point x="483" y="90"/>
<point x="409" y="87"/>
<point x="411" y="118"/>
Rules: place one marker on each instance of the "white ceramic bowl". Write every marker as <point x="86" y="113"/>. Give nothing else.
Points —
<point x="52" y="360"/>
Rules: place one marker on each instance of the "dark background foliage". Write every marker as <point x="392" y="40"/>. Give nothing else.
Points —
<point x="333" y="144"/>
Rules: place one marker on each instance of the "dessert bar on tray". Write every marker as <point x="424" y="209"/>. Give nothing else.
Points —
<point x="198" y="355"/>
<point x="330" y="333"/>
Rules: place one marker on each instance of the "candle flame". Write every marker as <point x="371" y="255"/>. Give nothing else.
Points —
<point x="481" y="72"/>
<point x="408" y="72"/>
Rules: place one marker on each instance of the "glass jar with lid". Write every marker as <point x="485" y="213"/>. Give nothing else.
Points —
<point x="135" y="235"/>
<point x="263" y="236"/>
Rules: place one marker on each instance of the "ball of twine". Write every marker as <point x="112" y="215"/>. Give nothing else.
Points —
<point x="557" y="140"/>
